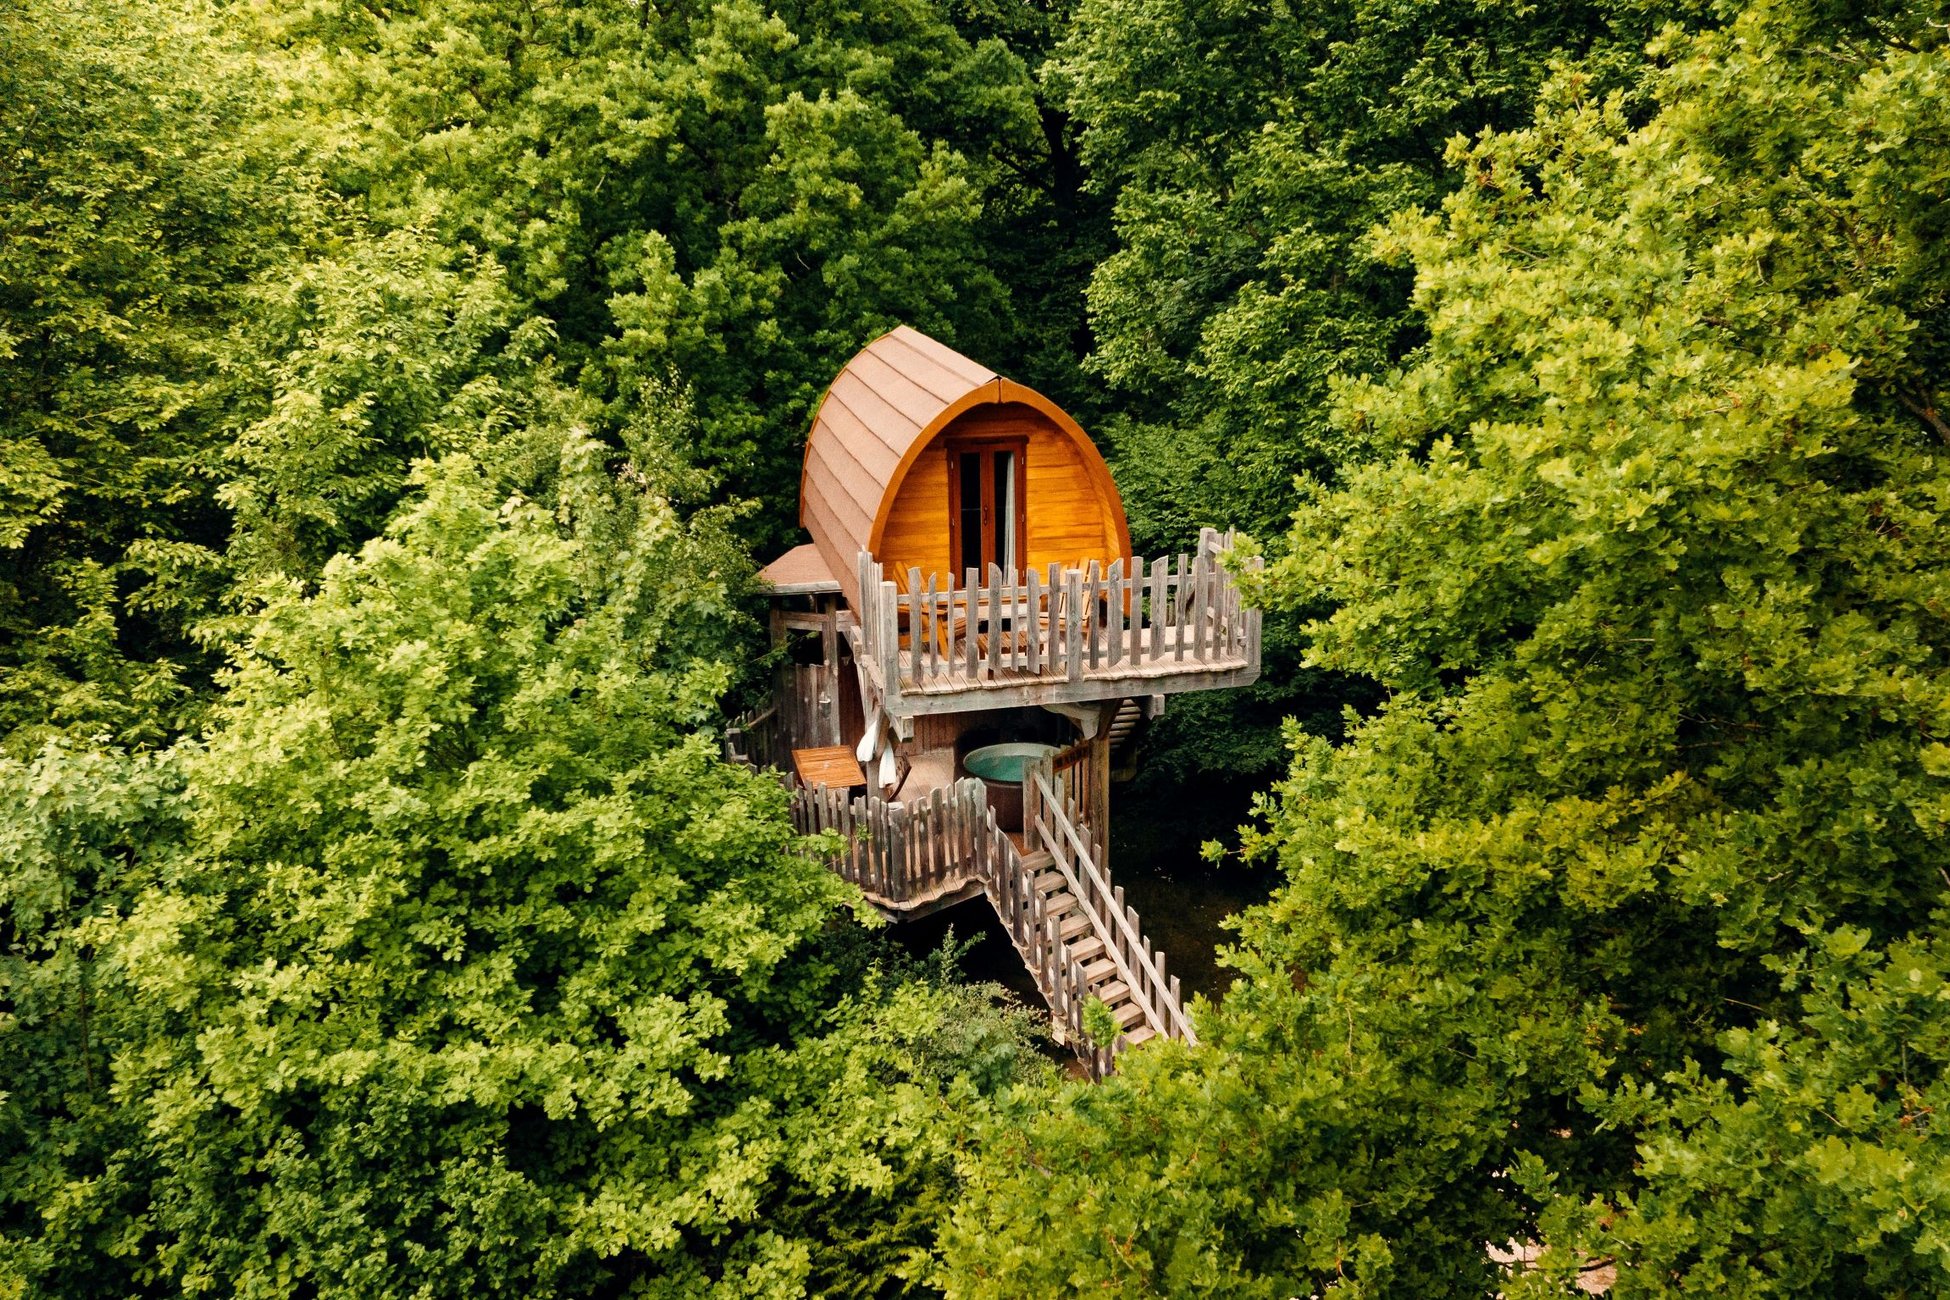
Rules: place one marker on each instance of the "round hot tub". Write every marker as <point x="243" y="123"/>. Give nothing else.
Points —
<point x="1002" y="768"/>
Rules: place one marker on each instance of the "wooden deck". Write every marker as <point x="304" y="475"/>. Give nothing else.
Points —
<point x="928" y="644"/>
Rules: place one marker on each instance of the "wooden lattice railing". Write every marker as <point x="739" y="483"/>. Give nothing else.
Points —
<point x="905" y="855"/>
<point x="1053" y="813"/>
<point x="1128" y="621"/>
<point x="902" y="855"/>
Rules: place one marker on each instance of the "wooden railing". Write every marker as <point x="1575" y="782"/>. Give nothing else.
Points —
<point x="902" y="854"/>
<point x="798" y="716"/>
<point x="1080" y="774"/>
<point x="755" y="740"/>
<point x="1170" y="615"/>
<point x="1051" y="815"/>
<point x="1023" y="911"/>
<point x="906" y="855"/>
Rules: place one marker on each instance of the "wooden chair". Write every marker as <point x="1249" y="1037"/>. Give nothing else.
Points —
<point x="944" y="624"/>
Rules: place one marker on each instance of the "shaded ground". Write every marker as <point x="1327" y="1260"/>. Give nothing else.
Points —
<point x="1154" y="855"/>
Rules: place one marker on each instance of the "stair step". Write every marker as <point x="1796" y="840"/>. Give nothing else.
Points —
<point x="1142" y="1034"/>
<point x="1060" y="904"/>
<point x="1036" y="861"/>
<point x="1128" y="1014"/>
<point x="1073" y="925"/>
<point x="1085" y="950"/>
<point x="1094" y="970"/>
<point x="1113" y="992"/>
<point x="1050" y="881"/>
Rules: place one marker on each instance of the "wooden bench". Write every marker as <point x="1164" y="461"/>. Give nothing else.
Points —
<point x="831" y="766"/>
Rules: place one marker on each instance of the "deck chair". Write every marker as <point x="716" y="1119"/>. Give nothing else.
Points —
<point x="945" y="619"/>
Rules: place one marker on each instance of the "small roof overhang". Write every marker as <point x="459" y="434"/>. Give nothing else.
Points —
<point x="801" y="571"/>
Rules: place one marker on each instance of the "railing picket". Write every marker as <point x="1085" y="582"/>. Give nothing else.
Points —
<point x="890" y="882"/>
<point x="1199" y="610"/>
<point x="968" y="637"/>
<point x="1093" y="602"/>
<point x="920" y="624"/>
<point x="1163" y="985"/>
<point x="1036" y="622"/>
<point x="1021" y="627"/>
<point x="942" y="845"/>
<point x="1073" y="624"/>
<point x="994" y="623"/>
<point x="876" y="881"/>
<point x="1114" y="611"/>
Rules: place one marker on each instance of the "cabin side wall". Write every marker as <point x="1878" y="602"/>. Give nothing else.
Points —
<point x="1071" y="516"/>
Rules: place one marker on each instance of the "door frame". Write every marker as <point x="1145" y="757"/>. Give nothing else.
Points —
<point x="987" y="446"/>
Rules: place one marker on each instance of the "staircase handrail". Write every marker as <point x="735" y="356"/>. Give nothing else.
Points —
<point x="1099" y="899"/>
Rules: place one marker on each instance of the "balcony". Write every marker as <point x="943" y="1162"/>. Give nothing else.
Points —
<point x="1065" y="635"/>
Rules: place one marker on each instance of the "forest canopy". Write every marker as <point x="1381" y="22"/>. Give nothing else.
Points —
<point x="395" y="406"/>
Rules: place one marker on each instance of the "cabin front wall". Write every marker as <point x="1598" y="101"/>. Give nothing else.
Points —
<point x="1071" y="512"/>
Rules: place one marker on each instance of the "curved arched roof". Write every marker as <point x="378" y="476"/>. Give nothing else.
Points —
<point x="878" y="415"/>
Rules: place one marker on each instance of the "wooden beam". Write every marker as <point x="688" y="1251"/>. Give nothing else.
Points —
<point x="829" y="646"/>
<point x="1017" y="695"/>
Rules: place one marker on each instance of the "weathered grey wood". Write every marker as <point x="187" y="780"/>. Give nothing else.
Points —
<point x="1073" y="625"/>
<point x="1200" y="612"/>
<point x="889" y="641"/>
<point x="1020" y="624"/>
<point x="971" y="597"/>
<point x="1113" y="612"/>
<point x="911" y="601"/>
<point x="994" y="620"/>
<point x="958" y="696"/>
<point x="1093" y="601"/>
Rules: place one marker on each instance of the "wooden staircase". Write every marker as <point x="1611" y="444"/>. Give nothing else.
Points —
<point x="1070" y="925"/>
<point x="1122" y="735"/>
<point x="1084" y="947"/>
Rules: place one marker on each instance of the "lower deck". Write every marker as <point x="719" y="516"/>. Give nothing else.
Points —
<point x="1080" y="941"/>
<point x="923" y="833"/>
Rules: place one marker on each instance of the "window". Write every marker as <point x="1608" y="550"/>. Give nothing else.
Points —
<point x="986" y="513"/>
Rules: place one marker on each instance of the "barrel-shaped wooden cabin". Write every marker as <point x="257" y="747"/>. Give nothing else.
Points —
<point x="969" y="641"/>
<point x="970" y="571"/>
<point x="929" y="461"/>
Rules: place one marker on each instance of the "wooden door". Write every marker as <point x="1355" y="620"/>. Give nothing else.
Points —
<point x="987" y="513"/>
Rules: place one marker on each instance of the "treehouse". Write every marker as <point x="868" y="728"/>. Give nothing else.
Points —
<point x="967" y="644"/>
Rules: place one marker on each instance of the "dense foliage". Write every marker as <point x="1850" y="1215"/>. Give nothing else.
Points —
<point x="394" y="400"/>
<point x="135" y="217"/>
<point x="1618" y="926"/>
<point x="1245" y="181"/>
<point x="452" y="960"/>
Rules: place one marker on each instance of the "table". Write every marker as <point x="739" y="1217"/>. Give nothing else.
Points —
<point x="828" y="765"/>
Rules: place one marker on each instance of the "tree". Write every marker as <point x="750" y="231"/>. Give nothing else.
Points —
<point x="136" y="211"/>
<point x="214" y="367"/>
<point x="732" y="195"/>
<point x="1239" y="283"/>
<point x="1616" y="928"/>
<point x="460" y="963"/>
